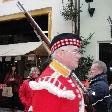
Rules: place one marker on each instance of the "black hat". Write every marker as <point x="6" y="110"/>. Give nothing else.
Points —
<point x="65" y="39"/>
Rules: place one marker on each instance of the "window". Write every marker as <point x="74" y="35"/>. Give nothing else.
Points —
<point x="15" y="28"/>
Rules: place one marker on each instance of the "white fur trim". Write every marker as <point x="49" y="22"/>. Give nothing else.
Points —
<point x="69" y="94"/>
<point x="82" y="106"/>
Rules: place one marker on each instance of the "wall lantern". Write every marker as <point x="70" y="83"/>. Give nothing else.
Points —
<point x="90" y="10"/>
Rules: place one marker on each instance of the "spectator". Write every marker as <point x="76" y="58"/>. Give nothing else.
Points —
<point x="99" y="88"/>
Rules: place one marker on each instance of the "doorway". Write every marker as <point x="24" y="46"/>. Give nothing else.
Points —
<point x="105" y="54"/>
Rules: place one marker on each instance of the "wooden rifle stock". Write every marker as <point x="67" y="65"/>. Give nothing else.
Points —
<point x="42" y="37"/>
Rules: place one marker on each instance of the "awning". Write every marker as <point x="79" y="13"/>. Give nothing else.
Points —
<point x="22" y="49"/>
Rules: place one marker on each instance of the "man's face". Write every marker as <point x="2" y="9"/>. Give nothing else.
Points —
<point x="94" y="70"/>
<point x="70" y="56"/>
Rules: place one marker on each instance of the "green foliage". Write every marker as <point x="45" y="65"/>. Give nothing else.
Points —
<point x="84" y="67"/>
<point x="85" y="62"/>
<point x="85" y="42"/>
<point x="69" y="11"/>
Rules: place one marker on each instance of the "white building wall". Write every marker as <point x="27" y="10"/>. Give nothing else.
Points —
<point x="98" y="23"/>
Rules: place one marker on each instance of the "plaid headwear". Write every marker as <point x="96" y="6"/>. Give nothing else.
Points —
<point x="65" y="39"/>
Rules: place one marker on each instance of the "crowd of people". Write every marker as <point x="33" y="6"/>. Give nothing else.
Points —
<point x="54" y="89"/>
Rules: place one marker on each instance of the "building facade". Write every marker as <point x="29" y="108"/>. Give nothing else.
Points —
<point x="97" y="24"/>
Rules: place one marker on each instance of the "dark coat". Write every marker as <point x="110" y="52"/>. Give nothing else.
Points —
<point x="99" y="89"/>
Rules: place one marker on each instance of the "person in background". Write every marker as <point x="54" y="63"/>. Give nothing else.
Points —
<point x="25" y="92"/>
<point x="99" y="88"/>
<point x="55" y="90"/>
<point x="13" y="79"/>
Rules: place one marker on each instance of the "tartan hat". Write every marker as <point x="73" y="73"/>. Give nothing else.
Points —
<point x="65" y="39"/>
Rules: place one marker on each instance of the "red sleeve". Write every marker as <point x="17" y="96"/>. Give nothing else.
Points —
<point x="23" y="92"/>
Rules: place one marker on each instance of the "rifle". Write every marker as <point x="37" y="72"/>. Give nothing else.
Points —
<point x="42" y="37"/>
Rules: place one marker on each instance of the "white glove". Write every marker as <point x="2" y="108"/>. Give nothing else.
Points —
<point x="30" y="109"/>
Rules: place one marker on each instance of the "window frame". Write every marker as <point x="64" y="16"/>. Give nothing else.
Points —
<point x="36" y="12"/>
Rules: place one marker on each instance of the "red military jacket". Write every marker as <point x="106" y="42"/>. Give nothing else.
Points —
<point x="56" y="92"/>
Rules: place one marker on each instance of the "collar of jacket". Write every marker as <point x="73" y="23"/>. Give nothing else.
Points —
<point x="98" y="77"/>
<point x="60" y="68"/>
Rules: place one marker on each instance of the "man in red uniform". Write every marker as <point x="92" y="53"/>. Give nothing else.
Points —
<point x="25" y="92"/>
<point x="55" y="89"/>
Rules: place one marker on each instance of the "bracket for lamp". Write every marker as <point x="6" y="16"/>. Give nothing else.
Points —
<point x="90" y="10"/>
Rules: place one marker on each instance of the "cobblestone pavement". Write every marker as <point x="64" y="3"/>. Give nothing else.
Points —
<point x="8" y="110"/>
